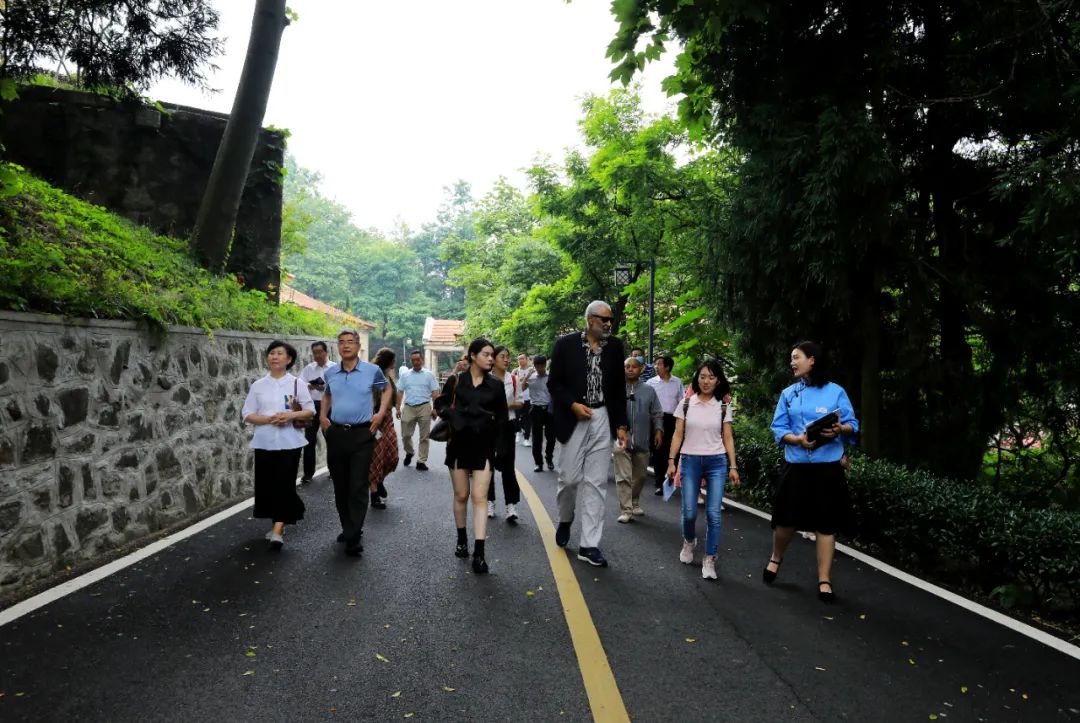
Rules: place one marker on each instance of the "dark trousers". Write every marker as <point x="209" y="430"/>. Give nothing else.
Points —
<point x="504" y="464"/>
<point x="543" y="434"/>
<point x="523" y="420"/>
<point x="660" y="454"/>
<point x="311" y="432"/>
<point x="348" y="455"/>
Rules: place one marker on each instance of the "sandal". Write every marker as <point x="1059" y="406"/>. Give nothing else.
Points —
<point x="823" y="595"/>
<point x="769" y="576"/>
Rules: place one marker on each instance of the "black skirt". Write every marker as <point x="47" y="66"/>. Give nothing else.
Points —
<point x="812" y="497"/>
<point x="275" y="485"/>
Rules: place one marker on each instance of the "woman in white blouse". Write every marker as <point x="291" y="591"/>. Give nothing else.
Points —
<point x="277" y="442"/>
<point x="504" y="461"/>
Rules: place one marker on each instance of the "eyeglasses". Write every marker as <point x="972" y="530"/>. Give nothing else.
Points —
<point x="605" y="319"/>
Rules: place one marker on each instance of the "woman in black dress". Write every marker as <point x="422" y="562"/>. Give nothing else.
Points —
<point x="474" y="405"/>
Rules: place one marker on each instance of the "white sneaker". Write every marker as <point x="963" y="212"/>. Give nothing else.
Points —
<point x="511" y="512"/>
<point x="708" y="568"/>
<point x="269" y="535"/>
<point x="491" y="510"/>
<point x="518" y="437"/>
<point x="527" y="443"/>
<point x="638" y="512"/>
<point x="687" y="555"/>
<point x="624" y="517"/>
<point x="276" y="540"/>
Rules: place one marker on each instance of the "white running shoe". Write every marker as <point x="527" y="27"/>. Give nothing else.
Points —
<point x="491" y="510"/>
<point x="624" y="517"/>
<point x="686" y="556"/>
<point x="708" y="568"/>
<point x="527" y="443"/>
<point x="511" y="512"/>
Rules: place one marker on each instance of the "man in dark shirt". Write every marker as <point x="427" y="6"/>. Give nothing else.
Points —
<point x="588" y="400"/>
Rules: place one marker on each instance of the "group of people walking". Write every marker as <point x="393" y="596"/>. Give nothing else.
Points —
<point x="600" y="406"/>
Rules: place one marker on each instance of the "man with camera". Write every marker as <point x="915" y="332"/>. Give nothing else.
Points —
<point x="315" y="376"/>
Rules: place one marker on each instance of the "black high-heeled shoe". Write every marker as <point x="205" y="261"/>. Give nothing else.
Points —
<point x="769" y="576"/>
<point x="823" y="595"/>
<point x="479" y="565"/>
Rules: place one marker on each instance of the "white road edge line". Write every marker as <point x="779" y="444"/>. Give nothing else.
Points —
<point x="969" y="605"/>
<point x="64" y="589"/>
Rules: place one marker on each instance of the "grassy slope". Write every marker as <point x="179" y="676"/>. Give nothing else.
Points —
<point x="62" y="255"/>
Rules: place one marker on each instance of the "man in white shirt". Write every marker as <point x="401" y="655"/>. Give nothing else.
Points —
<point x="315" y="375"/>
<point x="670" y="391"/>
<point x="418" y="388"/>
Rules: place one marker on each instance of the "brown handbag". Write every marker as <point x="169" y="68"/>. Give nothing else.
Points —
<point x="296" y="406"/>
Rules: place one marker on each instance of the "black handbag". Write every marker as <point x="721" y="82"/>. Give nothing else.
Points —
<point x="441" y="431"/>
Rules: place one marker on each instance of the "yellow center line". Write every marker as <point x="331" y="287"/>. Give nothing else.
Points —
<point x="605" y="700"/>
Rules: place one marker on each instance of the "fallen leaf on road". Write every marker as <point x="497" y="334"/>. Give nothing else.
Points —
<point x="818" y="667"/>
<point x="95" y="594"/>
<point x="206" y="610"/>
<point x="964" y="689"/>
<point x="904" y="643"/>
<point x="408" y="715"/>
<point x="862" y="616"/>
<point x="351" y="603"/>
<point x="1024" y="696"/>
<point x="530" y="593"/>
<point x="911" y="661"/>
<point x="381" y="657"/>
<point x="691" y="640"/>
<point x="250" y="653"/>
<point x="248" y="672"/>
<point x="933" y="716"/>
<point x="387" y="626"/>
<point x="333" y="709"/>
<point x="448" y="689"/>
<point x="396" y="694"/>
<point x="826" y="617"/>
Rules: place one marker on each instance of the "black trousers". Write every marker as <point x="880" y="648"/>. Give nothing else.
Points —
<point x="660" y="454"/>
<point x="523" y="420"/>
<point x="504" y="465"/>
<point x="543" y="434"/>
<point x="348" y="455"/>
<point x="311" y="432"/>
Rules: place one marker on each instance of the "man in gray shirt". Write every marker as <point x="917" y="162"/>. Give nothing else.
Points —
<point x="543" y="432"/>
<point x="646" y="419"/>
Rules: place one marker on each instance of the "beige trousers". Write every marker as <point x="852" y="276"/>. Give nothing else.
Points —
<point x="629" y="476"/>
<point x="410" y="416"/>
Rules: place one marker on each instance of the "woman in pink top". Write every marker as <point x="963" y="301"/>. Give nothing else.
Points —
<point x="704" y="437"/>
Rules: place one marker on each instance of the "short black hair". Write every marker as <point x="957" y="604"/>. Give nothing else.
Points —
<point x="320" y="343"/>
<point x="415" y="351"/>
<point x="290" y="350"/>
<point x="539" y="359"/>
<point x="637" y="348"/>
<point x="500" y="349"/>
<point x="476" y="347"/>
<point x="723" y="386"/>
<point x="821" y="373"/>
<point x="669" y="362"/>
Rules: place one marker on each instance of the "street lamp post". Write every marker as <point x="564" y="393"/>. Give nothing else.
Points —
<point x="622" y="278"/>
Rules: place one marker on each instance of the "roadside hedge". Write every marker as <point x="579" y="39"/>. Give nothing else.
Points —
<point x="957" y="532"/>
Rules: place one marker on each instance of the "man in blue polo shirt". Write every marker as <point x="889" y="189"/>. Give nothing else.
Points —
<point x="348" y="424"/>
<point x="418" y="388"/>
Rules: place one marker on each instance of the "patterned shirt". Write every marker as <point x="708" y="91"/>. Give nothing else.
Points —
<point x="594" y="375"/>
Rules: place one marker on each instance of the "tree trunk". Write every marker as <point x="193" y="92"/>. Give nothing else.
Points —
<point x="212" y="236"/>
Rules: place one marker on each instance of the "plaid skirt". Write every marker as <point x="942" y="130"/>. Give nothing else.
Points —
<point x="384" y="459"/>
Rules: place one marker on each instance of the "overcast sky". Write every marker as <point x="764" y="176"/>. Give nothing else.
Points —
<point x="392" y="100"/>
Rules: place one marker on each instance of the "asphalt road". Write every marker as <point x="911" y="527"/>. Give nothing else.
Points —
<point x="219" y="628"/>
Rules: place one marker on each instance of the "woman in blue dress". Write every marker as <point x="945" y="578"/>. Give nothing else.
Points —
<point x="812" y="493"/>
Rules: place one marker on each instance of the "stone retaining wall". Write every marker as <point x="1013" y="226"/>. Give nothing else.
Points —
<point x="109" y="434"/>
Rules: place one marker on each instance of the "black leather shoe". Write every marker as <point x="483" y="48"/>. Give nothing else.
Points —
<point x="462" y="550"/>
<point x="408" y="460"/>
<point x="538" y="468"/>
<point x="769" y="576"/>
<point x="421" y="467"/>
<point x="354" y="550"/>
<point x="377" y="502"/>
<point x="381" y="491"/>
<point x="342" y="538"/>
<point x="479" y="565"/>
<point x="825" y="596"/>
<point x="551" y="466"/>
<point x="562" y="534"/>
<point x="659" y="492"/>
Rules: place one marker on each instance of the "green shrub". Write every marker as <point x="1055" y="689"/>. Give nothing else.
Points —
<point x="61" y="255"/>
<point x="958" y="532"/>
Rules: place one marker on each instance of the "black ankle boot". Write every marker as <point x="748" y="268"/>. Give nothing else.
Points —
<point x="479" y="565"/>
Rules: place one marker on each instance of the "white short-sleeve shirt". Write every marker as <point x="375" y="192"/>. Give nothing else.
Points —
<point x="670" y="393"/>
<point x="512" y="393"/>
<point x="269" y="396"/>
<point x="703" y="432"/>
<point x="314" y="371"/>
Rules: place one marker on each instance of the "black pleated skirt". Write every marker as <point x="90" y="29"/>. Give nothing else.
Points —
<point x="812" y="497"/>
<point x="275" y="485"/>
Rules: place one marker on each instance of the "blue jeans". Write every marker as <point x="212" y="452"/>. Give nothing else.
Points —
<point x="714" y="469"/>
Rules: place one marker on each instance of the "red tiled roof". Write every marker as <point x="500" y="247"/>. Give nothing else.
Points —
<point x="289" y="295"/>
<point x="443" y="331"/>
